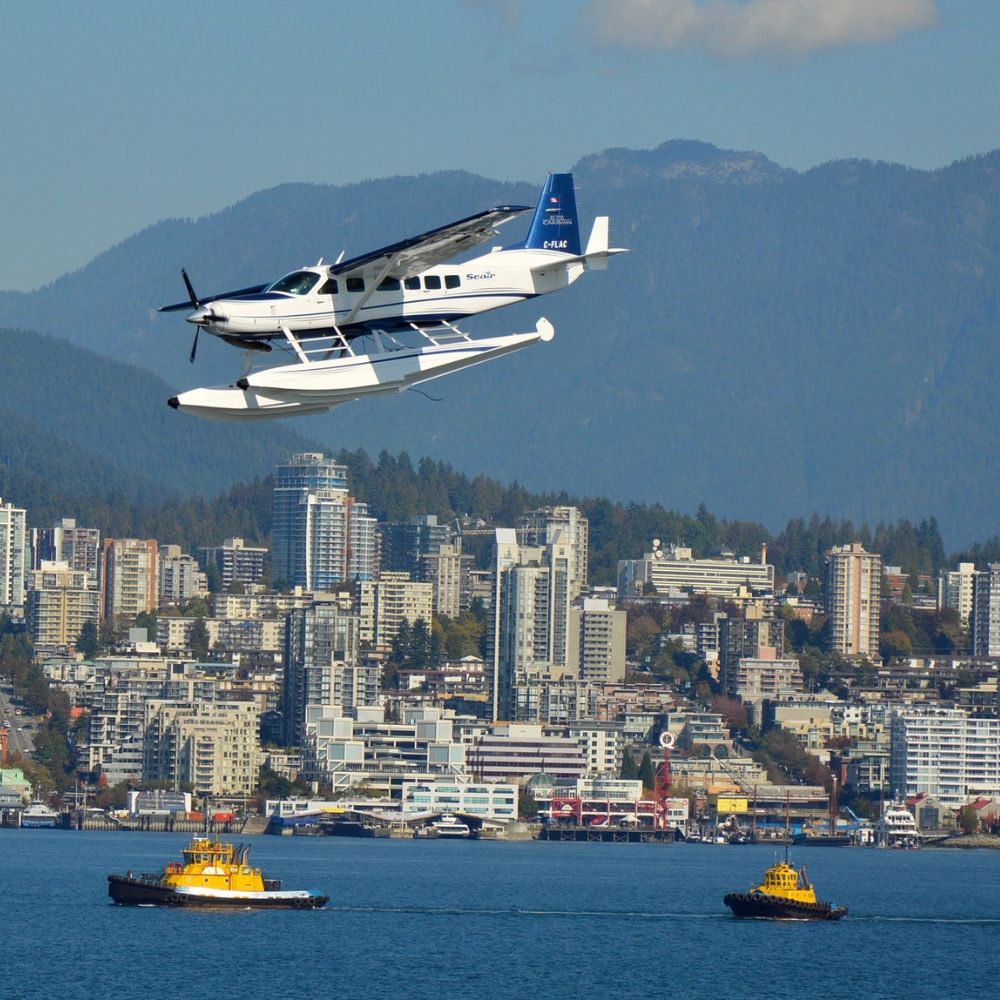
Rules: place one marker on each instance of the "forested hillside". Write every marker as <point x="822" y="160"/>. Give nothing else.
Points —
<point x="74" y="424"/>
<point x="396" y="488"/>
<point x="776" y="343"/>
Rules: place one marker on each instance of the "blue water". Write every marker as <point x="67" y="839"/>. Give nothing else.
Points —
<point x="490" y="919"/>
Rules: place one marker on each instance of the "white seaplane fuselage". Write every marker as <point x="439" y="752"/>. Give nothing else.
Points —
<point x="443" y="294"/>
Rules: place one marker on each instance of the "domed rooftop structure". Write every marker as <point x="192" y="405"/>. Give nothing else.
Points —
<point x="540" y="782"/>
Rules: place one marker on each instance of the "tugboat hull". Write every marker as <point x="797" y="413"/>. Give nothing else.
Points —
<point x="151" y="891"/>
<point x="764" y="907"/>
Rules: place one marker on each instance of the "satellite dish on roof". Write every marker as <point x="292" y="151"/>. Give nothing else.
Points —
<point x="656" y="543"/>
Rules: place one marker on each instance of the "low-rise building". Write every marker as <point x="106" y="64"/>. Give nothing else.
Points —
<point x="443" y="795"/>
<point x="516" y="751"/>
<point x="367" y="750"/>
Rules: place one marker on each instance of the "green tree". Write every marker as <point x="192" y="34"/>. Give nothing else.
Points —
<point x="628" y="772"/>
<point x="895" y="645"/>
<point x="111" y="796"/>
<point x="640" y="630"/>
<point x="87" y="643"/>
<point x="147" y="620"/>
<point x="195" y="608"/>
<point x="52" y="752"/>
<point x="647" y="775"/>
<point x="198" y="639"/>
<point x="527" y="807"/>
<point x="968" y="819"/>
<point x="421" y="646"/>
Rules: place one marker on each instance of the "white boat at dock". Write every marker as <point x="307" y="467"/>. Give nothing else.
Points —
<point x="38" y="815"/>
<point x="896" y="827"/>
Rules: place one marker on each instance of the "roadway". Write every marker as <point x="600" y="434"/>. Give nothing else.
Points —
<point x="18" y="736"/>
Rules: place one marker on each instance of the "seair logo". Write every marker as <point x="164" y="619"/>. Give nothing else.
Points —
<point x="485" y="276"/>
<point x="557" y="220"/>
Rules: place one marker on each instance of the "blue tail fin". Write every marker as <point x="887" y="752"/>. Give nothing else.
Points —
<point x="555" y="225"/>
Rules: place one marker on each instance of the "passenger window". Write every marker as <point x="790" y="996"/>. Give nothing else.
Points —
<point x="432" y="281"/>
<point x="355" y="284"/>
<point x="389" y="285"/>
<point x="452" y="281"/>
<point x="412" y="283"/>
<point x="329" y="287"/>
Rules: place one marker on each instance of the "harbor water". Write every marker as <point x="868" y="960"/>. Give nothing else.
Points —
<point x="445" y="918"/>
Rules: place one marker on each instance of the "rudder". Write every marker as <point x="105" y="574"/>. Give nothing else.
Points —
<point x="555" y="225"/>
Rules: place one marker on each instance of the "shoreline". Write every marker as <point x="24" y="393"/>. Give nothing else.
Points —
<point x="972" y="841"/>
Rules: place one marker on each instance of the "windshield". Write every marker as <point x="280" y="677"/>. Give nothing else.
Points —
<point x="296" y="283"/>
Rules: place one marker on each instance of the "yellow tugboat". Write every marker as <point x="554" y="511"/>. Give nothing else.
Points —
<point x="785" y="894"/>
<point x="213" y="874"/>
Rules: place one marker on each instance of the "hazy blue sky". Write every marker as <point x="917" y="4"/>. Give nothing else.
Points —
<point x="117" y="114"/>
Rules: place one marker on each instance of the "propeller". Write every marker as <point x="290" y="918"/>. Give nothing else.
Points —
<point x="195" y="304"/>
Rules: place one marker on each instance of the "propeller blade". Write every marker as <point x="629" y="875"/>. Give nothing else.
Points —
<point x="190" y="289"/>
<point x="194" y="345"/>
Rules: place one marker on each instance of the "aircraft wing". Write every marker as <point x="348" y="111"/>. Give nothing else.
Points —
<point x="408" y="257"/>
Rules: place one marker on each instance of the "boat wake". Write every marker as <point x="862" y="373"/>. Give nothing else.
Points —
<point x="877" y="919"/>
<point x="517" y="911"/>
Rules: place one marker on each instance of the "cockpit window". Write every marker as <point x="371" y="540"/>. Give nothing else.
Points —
<point x="296" y="283"/>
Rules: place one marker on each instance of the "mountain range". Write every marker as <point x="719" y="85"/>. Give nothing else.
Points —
<point x="777" y="342"/>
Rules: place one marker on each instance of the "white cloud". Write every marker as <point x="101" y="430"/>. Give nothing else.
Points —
<point x="743" y="29"/>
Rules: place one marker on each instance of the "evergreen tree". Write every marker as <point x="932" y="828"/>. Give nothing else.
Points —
<point x="420" y="646"/>
<point x="198" y="639"/>
<point x="629" y="772"/>
<point x="87" y="643"/>
<point x="402" y="644"/>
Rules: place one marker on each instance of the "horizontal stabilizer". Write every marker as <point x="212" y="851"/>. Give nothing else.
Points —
<point x="594" y="258"/>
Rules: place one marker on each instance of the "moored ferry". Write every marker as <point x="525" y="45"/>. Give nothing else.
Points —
<point x="785" y="894"/>
<point x="212" y="874"/>
<point x="39" y="815"/>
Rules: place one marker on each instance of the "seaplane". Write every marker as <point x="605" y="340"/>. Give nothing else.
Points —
<point x="386" y="321"/>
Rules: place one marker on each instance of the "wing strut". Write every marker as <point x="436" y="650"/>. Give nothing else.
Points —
<point x="370" y="291"/>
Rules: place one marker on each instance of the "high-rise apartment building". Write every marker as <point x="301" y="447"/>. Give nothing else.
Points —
<point x="529" y="623"/>
<point x="384" y="604"/>
<point x="236" y="562"/>
<point x="181" y="579"/>
<point x="321" y="659"/>
<point x="66" y="542"/>
<point x="14" y="557"/>
<point x="541" y="527"/>
<point x="214" y="746"/>
<point x="448" y="571"/>
<point x="130" y="578"/>
<point x="753" y="638"/>
<point x="61" y="600"/>
<point x="955" y="589"/>
<point x="984" y="618"/>
<point x="406" y="544"/>
<point x="853" y="592"/>
<point x="946" y="754"/>
<point x="597" y="642"/>
<point x="320" y="536"/>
